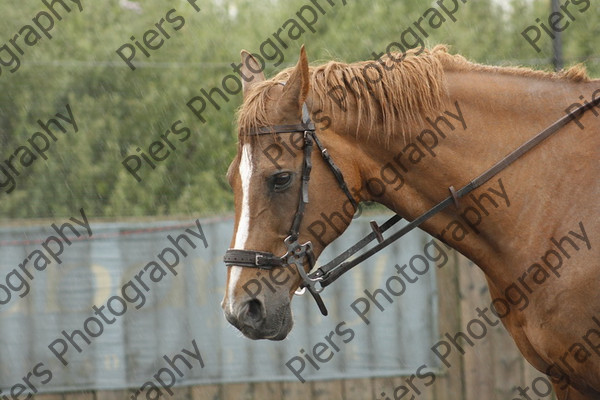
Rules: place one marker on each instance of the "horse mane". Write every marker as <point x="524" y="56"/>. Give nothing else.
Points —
<point x="386" y="92"/>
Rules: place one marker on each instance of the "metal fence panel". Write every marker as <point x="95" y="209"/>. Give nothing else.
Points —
<point x="180" y="308"/>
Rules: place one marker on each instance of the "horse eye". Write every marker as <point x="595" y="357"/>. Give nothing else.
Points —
<point x="281" y="181"/>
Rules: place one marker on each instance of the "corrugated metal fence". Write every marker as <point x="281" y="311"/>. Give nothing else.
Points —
<point x="177" y="309"/>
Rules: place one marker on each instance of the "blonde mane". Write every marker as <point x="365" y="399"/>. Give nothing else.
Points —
<point x="397" y="95"/>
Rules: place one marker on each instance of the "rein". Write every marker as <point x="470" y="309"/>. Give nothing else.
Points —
<point x="316" y="281"/>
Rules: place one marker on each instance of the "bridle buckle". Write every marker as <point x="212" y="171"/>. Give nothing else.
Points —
<point x="295" y="255"/>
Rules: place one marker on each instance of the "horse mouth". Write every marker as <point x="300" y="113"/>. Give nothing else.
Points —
<point x="275" y="327"/>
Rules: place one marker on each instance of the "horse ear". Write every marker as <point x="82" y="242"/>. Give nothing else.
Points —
<point x="296" y="88"/>
<point x="248" y="70"/>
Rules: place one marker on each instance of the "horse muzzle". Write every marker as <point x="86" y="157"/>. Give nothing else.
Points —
<point x="261" y="318"/>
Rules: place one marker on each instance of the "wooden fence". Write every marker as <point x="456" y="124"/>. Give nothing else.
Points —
<point x="491" y="369"/>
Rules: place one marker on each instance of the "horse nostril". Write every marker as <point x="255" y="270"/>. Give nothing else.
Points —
<point x="253" y="313"/>
<point x="255" y="310"/>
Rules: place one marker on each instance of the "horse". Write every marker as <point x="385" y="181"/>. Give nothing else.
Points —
<point x="419" y="123"/>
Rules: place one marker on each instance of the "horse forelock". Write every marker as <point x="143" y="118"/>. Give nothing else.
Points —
<point x="395" y="96"/>
<point x="254" y="112"/>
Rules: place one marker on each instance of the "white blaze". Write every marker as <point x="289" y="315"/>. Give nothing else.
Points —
<point x="243" y="227"/>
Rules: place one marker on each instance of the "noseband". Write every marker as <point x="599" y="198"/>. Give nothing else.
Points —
<point x="316" y="281"/>
<point x="296" y="252"/>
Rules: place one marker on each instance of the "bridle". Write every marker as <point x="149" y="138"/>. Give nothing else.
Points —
<point x="316" y="281"/>
<point x="296" y="252"/>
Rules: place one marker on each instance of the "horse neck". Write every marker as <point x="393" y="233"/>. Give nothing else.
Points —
<point x="486" y="116"/>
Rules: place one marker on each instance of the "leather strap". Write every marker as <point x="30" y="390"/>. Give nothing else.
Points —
<point x="337" y="172"/>
<point x="303" y="200"/>
<point x="287" y="128"/>
<point x="325" y="269"/>
<point x="306" y="125"/>
<point x="251" y="258"/>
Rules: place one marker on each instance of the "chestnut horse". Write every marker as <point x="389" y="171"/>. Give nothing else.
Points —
<point x="387" y="122"/>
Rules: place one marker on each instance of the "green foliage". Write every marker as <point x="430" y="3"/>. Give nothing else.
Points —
<point x="118" y="110"/>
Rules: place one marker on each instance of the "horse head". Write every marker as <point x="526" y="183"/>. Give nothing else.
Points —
<point x="275" y="239"/>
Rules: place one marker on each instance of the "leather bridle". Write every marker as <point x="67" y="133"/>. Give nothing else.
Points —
<point x="296" y="252"/>
<point x="316" y="281"/>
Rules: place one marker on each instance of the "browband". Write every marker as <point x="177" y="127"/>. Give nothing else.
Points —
<point x="306" y="125"/>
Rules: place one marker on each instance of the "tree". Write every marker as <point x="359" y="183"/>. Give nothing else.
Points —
<point x="119" y="110"/>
